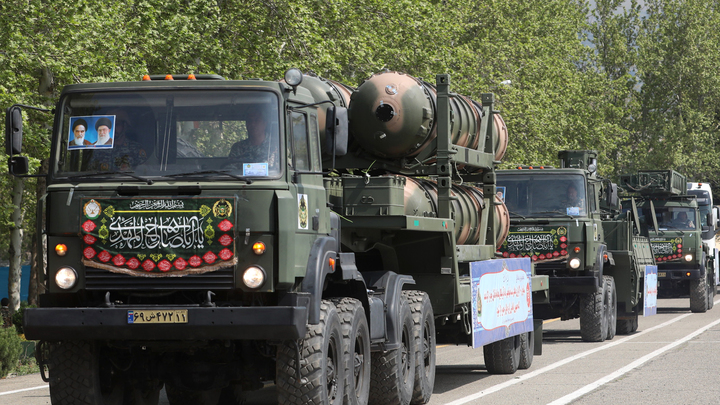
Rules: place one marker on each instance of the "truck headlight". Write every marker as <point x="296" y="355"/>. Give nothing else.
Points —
<point x="688" y="258"/>
<point x="66" y="278"/>
<point x="574" y="263"/>
<point x="254" y="277"/>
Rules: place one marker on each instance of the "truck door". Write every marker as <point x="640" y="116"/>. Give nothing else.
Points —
<point x="306" y="186"/>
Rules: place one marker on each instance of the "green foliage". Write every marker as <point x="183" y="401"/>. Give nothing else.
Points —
<point x="10" y="349"/>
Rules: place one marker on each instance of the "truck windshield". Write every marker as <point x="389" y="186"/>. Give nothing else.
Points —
<point x="165" y="133"/>
<point x="671" y="218"/>
<point x="544" y="195"/>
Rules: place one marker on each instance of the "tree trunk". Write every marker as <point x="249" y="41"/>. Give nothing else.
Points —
<point x="16" y="237"/>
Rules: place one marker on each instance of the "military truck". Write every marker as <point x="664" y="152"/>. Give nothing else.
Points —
<point x="206" y="235"/>
<point x="670" y="217"/>
<point x="709" y="215"/>
<point x="568" y="220"/>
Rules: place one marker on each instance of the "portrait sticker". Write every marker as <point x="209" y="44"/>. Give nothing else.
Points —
<point x="92" y="131"/>
<point x="302" y="211"/>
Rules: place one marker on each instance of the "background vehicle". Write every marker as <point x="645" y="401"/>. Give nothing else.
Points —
<point x="709" y="215"/>
<point x="594" y="257"/>
<point x="207" y="272"/>
<point x="671" y="219"/>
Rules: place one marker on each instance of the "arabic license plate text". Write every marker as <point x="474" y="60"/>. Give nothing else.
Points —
<point x="157" y="316"/>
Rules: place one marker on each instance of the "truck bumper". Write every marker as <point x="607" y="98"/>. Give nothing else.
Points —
<point x="580" y="284"/>
<point x="678" y="274"/>
<point x="237" y="323"/>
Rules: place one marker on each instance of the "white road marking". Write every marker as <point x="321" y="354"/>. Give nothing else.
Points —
<point x="23" y="390"/>
<point x="637" y="363"/>
<point x="516" y="380"/>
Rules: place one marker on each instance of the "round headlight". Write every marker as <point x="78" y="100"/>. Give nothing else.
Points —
<point x="254" y="277"/>
<point x="66" y="278"/>
<point x="293" y="77"/>
<point x="688" y="258"/>
<point x="574" y="263"/>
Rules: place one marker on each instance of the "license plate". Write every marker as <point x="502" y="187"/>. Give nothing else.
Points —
<point x="662" y="274"/>
<point x="157" y="316"/>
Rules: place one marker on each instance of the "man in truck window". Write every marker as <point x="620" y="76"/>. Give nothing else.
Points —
<point x="259" y="146"/>
<point x="573" y="202"/>
<point x="682" y="222"/>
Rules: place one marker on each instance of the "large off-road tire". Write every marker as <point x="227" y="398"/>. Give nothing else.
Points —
<point x="627" y="326"/>
<point x="81" y="375"/>
<point x="356" y="335"/>
<point x="611" y="306"/>
<point x="527" y="350"/>
<point x="424" y="332"/>
<point x="593" y="315"/>
<point x="699" y="295"/>
<point x="393" y="371"/>
<point x="711" y="293"/>
<point x="503" y="357"/>
<point x="147" y="393"/>
<point x="322" y="369"/>
<point x="181" y="396"/>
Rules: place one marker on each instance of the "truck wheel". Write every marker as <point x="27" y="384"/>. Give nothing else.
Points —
<point x="393" y="371"/>
<point x="711" y="295"/>
<point x="627" y="326"/>
<point x="698" y="295"/>
<point x="182" y="396"/>
<point x="527" y="350"/>
<point x="144" y="394"/>
<point x="356" y="335"/>
<point x="503" y="357"/>
<point x="322" y="370"/>
<point x="593" y="315"/>
<point x="611" y="305"/>
<point x="80" y="374"/>
<point x="424" y="332"/>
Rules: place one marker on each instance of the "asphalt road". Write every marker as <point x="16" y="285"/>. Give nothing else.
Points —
<point x="672" y="359"/>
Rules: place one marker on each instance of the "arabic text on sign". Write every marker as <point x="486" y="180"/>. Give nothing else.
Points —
<point x="154" y="232"/>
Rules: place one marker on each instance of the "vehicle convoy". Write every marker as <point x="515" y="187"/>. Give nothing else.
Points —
<point x="709" y="215"/>
<point x="206" y="235"/>
<point x="568" y="221"/>
<point x="669" y="216"/>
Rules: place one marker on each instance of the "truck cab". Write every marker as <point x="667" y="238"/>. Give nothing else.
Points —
<point x="670" y="217"/>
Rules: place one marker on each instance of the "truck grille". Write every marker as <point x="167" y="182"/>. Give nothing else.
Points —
<point x="96" y="279"/>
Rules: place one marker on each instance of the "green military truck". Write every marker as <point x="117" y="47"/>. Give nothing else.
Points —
<point x="568" y="221"/>
<point x="670" y="217"/>
<point x="207" y="235"/>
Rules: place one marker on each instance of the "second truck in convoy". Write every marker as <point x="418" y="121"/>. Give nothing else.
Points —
<point x="568" y="220"/>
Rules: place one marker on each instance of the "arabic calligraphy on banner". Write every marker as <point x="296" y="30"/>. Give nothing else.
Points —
<point x="159" y="237"/>
<point x="666" y="249"/>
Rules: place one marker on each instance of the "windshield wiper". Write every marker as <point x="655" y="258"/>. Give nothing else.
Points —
<point x="516" y="214"/>
<point x="99" y="174"/>
<point x="203" y="172"/>
<point x="670" y="226"/>
<point x="556" y="212"/>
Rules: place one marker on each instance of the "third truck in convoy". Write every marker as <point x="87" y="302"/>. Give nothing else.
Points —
<point x="670" y="217"/>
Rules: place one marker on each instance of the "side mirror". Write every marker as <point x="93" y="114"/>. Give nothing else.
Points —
<point x="336" y="131"/>
<point x="13" y="130"/>
<point x="18" y="165"/>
